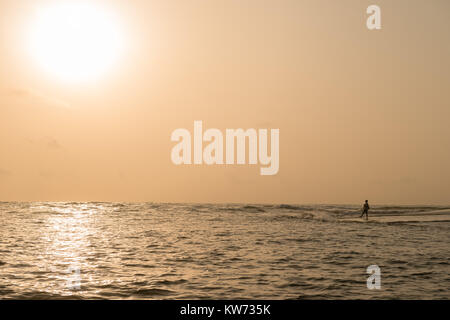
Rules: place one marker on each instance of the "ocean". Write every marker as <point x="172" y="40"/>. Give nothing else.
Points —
<point x="93" y="250"/>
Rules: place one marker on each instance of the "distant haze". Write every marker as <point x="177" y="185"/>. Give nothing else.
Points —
<point x="362" y="114"/>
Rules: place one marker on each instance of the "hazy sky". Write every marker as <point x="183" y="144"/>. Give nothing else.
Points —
<point x="362" y="114"/>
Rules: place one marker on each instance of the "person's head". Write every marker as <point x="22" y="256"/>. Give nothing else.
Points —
<point x="367" y="201"/>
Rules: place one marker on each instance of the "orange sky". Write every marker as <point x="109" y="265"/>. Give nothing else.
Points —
<point x="362" y="114"/>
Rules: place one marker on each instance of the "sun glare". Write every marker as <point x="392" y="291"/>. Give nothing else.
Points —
<point x="76" y="42"/>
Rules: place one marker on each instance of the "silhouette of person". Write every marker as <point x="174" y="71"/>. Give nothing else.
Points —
<point x="365" y="210"/>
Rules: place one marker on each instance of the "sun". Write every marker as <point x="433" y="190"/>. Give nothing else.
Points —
<point x="76" y="41"/>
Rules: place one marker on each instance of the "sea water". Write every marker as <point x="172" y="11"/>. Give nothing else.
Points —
<point x="57" y="250"/>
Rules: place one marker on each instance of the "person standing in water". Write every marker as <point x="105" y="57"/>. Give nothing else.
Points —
<point x="365" y="210"/>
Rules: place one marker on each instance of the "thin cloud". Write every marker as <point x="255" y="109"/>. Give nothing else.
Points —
<point x="4" y="173"/>
<point x="33" y="95"/>
<point x="54" y="144"/>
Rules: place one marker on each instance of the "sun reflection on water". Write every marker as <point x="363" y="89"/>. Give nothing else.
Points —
<point x="68" y="247"/>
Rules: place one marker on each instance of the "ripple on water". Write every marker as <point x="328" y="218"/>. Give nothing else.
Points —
<point x="158" y="251"/>
<point x="151" y="292"/>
